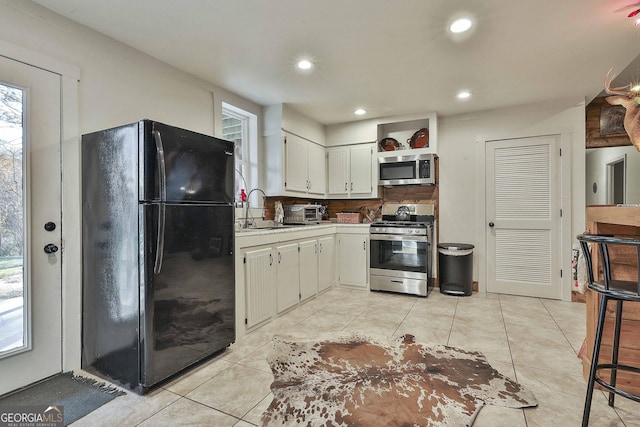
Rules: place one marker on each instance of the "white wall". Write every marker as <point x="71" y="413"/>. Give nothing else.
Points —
<point x="596" y="172"/>
<point x="117" y="85"/>
<point x="121" y="85"/>
<point x="458" y="137"/>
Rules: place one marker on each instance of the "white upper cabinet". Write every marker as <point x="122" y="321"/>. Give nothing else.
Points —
<point x="351" y="171"/>
<point x="338" y="165"/>
<point x="294" y="158"/>
<point x="305" y="166"/>
<point x="302" y="158"/>
<point x="296" y="163"/>
<point x="317" y="173"/>
<point x="361" y="169"/>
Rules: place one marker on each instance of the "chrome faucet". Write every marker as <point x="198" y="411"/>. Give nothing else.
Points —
<point x="246" y="213"/>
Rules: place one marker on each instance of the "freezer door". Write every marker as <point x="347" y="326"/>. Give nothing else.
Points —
<point x="178" y="165"/>
<point x="188" y="291"/>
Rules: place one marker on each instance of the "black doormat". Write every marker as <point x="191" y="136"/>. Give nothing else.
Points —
<point x="77" y="395"/>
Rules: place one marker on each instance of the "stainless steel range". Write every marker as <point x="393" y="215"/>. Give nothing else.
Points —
<point x="401" y="253"/>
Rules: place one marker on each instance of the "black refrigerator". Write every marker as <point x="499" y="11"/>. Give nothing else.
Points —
<point x="158" y="291"/>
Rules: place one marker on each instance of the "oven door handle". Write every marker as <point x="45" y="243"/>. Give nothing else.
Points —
<point x="397" y="238"/>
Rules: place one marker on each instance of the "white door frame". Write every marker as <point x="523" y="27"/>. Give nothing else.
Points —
<point x="609" y="177"/>
<point x="71" y="251"/>
<point x="565" y="203"/>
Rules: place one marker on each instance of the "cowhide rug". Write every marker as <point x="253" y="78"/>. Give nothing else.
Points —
<point x="355" y="380"/>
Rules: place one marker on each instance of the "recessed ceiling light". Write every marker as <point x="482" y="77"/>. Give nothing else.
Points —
<point x="360" y="112"/>
<point x="460" y="25"/>
<point x="464" y="94"/>
<point x="305" y="64"/>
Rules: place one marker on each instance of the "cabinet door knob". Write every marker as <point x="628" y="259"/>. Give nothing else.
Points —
<point x="491" y="224"/>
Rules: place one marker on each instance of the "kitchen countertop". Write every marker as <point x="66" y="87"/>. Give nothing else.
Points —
<point x="258" y="231"/>
<point x="611" y="214"/>
<point x="253" y="231"/>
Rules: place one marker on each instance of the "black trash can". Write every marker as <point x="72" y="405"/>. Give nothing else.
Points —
<point x="455" y="265"/>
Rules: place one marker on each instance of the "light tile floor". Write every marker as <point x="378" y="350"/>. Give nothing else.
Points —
<point x="534" y="341"/>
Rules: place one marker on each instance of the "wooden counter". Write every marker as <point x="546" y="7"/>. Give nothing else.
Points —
<point x="620" y="222"/>
<point x="608" y="215"/>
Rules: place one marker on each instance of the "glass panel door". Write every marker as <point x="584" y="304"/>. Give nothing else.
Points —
<point x="30" y="224"/>
<point x="399" y="255"/>
<point x="12" y="225"/>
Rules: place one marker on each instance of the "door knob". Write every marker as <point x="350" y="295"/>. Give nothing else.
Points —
<point x="50" y="248"/>
<point x="491" y="224"/>
<point x="50" y="226"/>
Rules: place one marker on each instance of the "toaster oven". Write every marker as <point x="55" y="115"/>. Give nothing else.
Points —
<point x="302" y="214"/>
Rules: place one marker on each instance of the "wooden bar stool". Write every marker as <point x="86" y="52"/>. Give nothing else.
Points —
<point x="613" y="287"/>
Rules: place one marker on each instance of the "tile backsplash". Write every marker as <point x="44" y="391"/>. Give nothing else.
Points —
<point x="396" y="194"/>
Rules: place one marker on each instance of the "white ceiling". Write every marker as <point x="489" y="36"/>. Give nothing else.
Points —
<point x="389" y="57"/>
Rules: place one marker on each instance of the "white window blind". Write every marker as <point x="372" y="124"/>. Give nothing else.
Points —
<point x="234" y="129"/>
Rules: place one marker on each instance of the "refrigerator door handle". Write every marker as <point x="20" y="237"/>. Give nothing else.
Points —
<point x="157" y="267"/>
<point x="161" y="166"/>
<point x="163" y="198"/>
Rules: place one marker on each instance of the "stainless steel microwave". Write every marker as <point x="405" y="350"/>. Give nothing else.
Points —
<point x="406" y="169"/>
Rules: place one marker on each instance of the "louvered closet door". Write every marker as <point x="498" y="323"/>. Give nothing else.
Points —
<point x="523" y="213"/>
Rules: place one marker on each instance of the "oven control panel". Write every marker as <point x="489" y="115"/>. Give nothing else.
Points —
<point x="400" y="231"/>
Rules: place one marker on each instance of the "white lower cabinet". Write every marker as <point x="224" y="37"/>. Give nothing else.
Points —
<point x="287" y="276"/>
<point x="317" y="265"/>
<point x="326" y="262"/>
<point x="308" y="268"/>
<point x="278" y="274"/>
<point x="353" y="260"/>
<point x="260" y="285"/>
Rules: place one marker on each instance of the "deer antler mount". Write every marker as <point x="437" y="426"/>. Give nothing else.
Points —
<point x="627" y="96"/>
